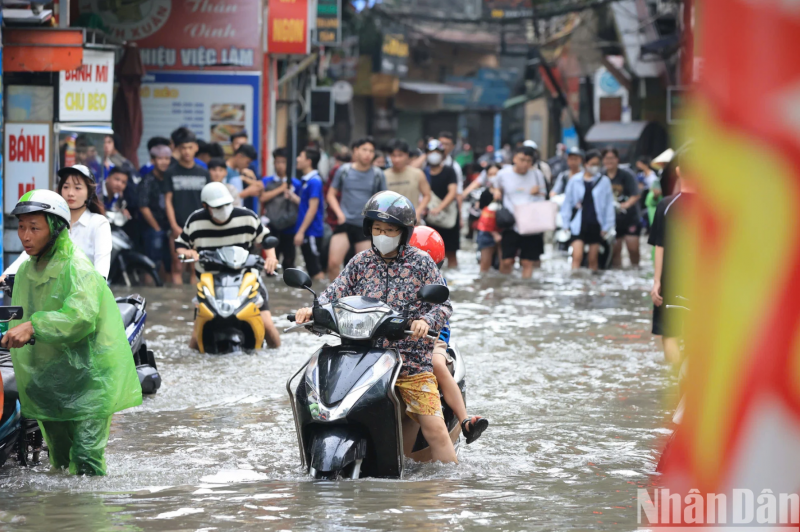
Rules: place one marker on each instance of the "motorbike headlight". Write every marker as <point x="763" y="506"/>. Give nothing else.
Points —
<point x="356" y="325"/>
<point x="322" y="412"/>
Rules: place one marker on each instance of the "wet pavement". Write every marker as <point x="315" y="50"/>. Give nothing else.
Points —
<point x="563" y="366"/>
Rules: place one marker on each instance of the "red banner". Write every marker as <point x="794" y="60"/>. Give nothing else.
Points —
<point x="287" y="27"/>
<point x="187" y="35"/>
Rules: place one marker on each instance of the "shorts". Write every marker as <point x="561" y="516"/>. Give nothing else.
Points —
<point x="311" y="254"/>
<point x="355" y="233"/>
<point x="440" y="348"/>
<point x="286" y="251"/>
<point x="157" y="248"/>
<point x="485" y="240"/>
<point x="420" y="393"/>
<point x="529" y="247"/>
<point x="668" y="322"/>
<point x="628" y="226"/>
<point x="590" y="233"/>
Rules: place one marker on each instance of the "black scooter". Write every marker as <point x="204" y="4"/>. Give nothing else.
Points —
<point x="18" y="435"/>
<point x="128" y="266"/>
<point x="347" y="414"/>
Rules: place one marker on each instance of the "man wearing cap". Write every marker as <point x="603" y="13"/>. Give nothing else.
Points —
<point x="574" y="166"/>
<point x="152" y="206"/>
<point x="219" y="224"/>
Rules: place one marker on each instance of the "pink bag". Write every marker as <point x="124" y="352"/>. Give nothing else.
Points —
<point x="536" y="217"/>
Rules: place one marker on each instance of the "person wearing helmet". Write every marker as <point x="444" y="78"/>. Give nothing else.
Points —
<point x="393" y="271"/>
<point x="219" y="224"/>
<point x="79" y="371"/>
<point x="89" y="228"/>
<point x="430" y="241"/>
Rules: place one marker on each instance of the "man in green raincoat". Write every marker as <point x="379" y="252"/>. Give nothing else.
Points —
<point x="80" y="369"/>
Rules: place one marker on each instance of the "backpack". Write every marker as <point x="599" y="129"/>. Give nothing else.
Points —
<point x="281" y="212"/>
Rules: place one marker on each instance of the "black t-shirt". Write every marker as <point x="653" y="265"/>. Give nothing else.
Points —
<point x="151" y="192"/>
<point x="185" y="185"/>
<point x="664" y="233"/>
<point x="625" y="186"/>
<point x="442" y="180"/>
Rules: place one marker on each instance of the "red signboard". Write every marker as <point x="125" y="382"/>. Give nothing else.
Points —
<point x="187" y="34"/>
<point x="287" y="27"/>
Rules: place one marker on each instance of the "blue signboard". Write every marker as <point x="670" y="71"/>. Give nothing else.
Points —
<point x="489" y="88"/>
<point x="214" y="106"/>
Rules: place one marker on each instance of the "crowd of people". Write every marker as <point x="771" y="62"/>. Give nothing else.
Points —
<point x="502" y="200"/>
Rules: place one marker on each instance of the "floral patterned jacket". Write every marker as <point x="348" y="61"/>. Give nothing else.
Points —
<point x="396" y="283"/>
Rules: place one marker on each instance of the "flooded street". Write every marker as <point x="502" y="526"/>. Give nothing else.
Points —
<point x="564" y="368"/>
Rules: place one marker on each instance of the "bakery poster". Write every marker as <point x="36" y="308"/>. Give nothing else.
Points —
<point x="214" y="107"/>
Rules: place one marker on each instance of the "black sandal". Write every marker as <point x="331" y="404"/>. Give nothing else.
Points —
<point x="476" y="430"/>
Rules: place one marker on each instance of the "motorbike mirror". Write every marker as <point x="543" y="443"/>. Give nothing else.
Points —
<point x="10" y="313"/>
<point x="296" y="278"/>
<point x="434" y="293"/>
<point x="270" y="242"/>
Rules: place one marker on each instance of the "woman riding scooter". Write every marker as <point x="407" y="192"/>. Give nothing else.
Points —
<point x="393" y="272"/>
<point x="430" y="241"/>
<point x="79" y="372"/>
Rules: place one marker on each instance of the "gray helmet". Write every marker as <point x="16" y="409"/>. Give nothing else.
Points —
<point x="389" y="207"/>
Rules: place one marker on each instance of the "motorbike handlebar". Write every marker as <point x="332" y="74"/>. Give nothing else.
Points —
<point x="433" y="336"/>
<point x="32" y="341"/>
<point x="184" y="260"/>
<point x="290" y="317"/>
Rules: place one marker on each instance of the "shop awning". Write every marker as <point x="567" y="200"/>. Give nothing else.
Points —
<point x="43" y="49"/>
<point x="615" y="131"/>
<point x="81" y="127"/>
<point x="429" y="87"/>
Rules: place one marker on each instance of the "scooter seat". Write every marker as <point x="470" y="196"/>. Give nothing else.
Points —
<point x="128" y="312"/>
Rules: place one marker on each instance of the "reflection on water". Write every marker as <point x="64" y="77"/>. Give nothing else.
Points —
<point x="563" y="366"/>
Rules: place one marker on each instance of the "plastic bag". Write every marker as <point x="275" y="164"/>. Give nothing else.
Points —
<point x="81" y="366"/>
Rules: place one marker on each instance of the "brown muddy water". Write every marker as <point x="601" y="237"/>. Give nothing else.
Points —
<point x="563" y="366"/>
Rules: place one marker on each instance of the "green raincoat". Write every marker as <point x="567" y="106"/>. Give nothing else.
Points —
<point x="81" y="366"/>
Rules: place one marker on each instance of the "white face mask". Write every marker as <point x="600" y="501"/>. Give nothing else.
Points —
<point x="434" y="158"/>
<point x="221" y="214"/>
<point x="386" y="244"/>
<point x="594" y="169"/>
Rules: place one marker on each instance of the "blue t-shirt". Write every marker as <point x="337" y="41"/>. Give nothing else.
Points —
<point x="444" y="334"/>
<point x="311" y="187"/>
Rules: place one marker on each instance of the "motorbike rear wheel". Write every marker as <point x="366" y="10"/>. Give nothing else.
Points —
<point x="137" y="276"/>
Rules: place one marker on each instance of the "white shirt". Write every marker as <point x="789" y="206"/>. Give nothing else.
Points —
<point x="517" y="188"/>
<point x="92" y="235"/>
<point x="449" y="161"/>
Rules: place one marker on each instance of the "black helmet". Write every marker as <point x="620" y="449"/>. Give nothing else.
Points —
<point x="390" y="207"/>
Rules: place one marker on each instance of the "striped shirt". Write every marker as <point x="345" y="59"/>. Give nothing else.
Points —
<point x="243" y="229"/>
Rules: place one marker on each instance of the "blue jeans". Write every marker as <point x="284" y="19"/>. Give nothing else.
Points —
<point x="156" y="247"/>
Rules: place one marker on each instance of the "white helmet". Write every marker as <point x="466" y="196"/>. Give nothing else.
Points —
<point x="216" y="195"/>
<point x="530" y="144"/>
<point x="45" y="201"/>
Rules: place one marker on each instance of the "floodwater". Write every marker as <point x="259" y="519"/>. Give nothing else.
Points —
<point x="563" y="366"/>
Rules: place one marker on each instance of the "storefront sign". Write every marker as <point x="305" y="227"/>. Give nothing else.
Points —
<point x="329" y="23"/>
<point x="27" y="161"/>
<point x="86" y="94"/>
<point x="394" y="58"/>
<point x="213" y="106"/>
<point x="186" y="35"/>
<point x="508" y="8"/>
<point x="287" y="27"/>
